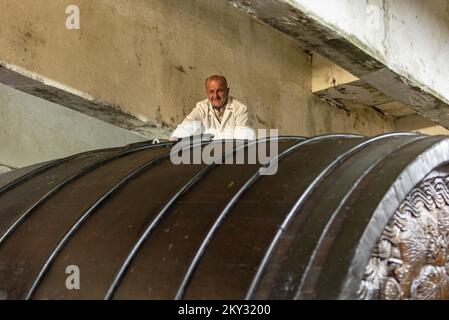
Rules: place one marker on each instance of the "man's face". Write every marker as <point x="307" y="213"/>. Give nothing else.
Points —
<point x="217" y="92"/>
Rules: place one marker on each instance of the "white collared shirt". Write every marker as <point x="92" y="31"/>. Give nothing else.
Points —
<point x="203" y="119"/>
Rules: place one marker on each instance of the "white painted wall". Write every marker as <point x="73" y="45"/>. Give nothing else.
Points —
<point x="34" y="130"/>
<point x="411" y="37"/>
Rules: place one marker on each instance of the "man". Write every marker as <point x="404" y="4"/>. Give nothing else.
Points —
<point x="220" y="115"/>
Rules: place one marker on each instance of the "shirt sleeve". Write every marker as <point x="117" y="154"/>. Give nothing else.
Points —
<point x="191" y="125"/>
<point x="243" y="128"/>
<point x="194" y="115"/>
<point x="241" y="117"/>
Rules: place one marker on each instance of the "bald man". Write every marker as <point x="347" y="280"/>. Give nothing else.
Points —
<point x="220" y="115"/>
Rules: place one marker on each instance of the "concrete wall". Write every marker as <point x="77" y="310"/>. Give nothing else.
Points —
<point x="150" y="58"/>
<point x="33" y="130"/>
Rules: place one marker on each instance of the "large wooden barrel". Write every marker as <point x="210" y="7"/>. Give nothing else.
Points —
<point x="343" y="217"/>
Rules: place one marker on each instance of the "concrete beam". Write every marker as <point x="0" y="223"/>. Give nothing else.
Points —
<point x="326" y="74"/>
<point x="30" y="83"/>
<point x="33" y="130"/>
<point x="338" y="31"/>
<point x="4" y="169"/>
<point x="341" y="88"/>
<point x="396" y="109"/>
<point x="419" y="124"/>
<point x="355" y="92"/>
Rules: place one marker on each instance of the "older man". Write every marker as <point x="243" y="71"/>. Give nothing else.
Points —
<point x="220" y="115"/>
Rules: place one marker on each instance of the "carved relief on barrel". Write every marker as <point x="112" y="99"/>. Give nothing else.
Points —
<point x="410" y="260"/>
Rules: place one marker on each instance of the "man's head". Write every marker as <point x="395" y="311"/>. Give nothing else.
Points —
<point x="217" y="90"/>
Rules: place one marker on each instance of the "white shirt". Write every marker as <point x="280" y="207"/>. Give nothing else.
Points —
<point x="203" y="120"/>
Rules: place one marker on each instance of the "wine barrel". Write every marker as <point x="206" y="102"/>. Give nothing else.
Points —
<point x="341" y="217"/>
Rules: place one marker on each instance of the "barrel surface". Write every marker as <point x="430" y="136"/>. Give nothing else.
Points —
<point x="343" y="217"/>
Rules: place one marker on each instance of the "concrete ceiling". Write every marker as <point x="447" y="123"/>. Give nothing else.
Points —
<point x="341" y="88"/>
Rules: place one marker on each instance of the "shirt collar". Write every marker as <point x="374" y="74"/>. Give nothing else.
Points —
<point x="227" y="106"/>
